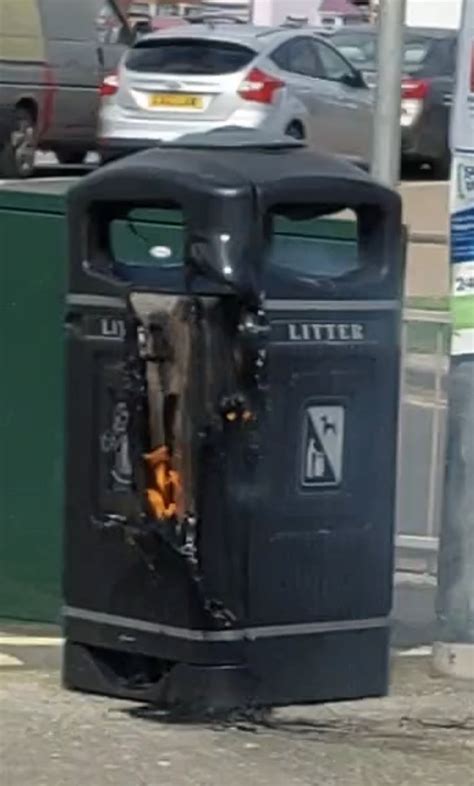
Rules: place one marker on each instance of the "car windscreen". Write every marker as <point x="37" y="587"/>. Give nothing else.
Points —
<point x="188" y="56"/>
<point x="361" y="50"/>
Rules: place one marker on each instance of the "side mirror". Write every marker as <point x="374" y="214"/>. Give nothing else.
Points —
<point x="354" y="78"/>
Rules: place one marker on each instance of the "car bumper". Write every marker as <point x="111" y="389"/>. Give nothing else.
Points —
<point x="423" y="142"/>
<point x="118" y="126"/>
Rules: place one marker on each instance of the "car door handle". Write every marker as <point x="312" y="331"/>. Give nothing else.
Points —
<point x="100" y="56"/>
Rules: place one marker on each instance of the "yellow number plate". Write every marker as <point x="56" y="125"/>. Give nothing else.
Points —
<point x="180" y="100"/>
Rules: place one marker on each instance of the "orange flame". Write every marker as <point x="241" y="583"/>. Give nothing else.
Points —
<point x="163" y="495"/>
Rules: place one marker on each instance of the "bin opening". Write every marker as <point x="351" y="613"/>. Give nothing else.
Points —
<point x="148" y="239"/>
<point x="152" y="254"/>
<point x="313" y="249"/>
<point x="308" y="212"/>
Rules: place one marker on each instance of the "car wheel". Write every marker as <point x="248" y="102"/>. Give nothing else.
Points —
<point x="71" y="157"/>
<point x="17" y="158"/>
<point x="295" y="130"/>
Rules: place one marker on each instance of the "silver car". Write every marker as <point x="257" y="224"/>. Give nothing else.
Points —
<point x="285" y="80"/>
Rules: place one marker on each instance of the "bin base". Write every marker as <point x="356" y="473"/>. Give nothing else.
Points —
<point x="197" y="689"/>
<point x="329" y="667"/>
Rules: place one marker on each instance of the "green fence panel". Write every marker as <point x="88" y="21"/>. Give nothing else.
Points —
<point x="32" y="253"/>
<point x="33" y="275"/>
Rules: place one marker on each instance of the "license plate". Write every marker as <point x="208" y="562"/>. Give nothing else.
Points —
<point x="180" y="100"/>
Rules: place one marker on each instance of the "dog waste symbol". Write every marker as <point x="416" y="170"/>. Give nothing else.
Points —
<point x="323" y="446"/>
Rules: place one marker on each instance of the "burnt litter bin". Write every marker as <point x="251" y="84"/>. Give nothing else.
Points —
<point x="232" y="428"/>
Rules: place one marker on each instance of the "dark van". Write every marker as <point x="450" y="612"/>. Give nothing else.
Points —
<point x="54" y="55"/>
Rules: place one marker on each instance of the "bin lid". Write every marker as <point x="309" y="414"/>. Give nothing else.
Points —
<point x="231" y="163"/>
<point x="235" y="137"/>
<point x="227" y="183"/>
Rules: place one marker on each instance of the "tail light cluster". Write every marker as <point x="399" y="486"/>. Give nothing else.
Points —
<point x="414" y="92"/>
<point x="415" y="89"/>
<point x="260" y="87"/>
<point x="109" y="86"/>
<point x="257" y="86"/>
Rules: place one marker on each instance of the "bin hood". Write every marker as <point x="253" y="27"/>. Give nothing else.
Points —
<point x="228" y="185"/>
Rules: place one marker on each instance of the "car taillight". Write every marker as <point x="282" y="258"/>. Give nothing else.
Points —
<point x="109" y="86"/>
<point x="259" y="86"/>
<point x="414" y="92"/>
<point x="415" y="89"/>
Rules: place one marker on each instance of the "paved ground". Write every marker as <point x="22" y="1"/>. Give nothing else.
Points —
<point x="425" y="206"/>
<point x="414" y="610"/>
<point x="421" y="735"/>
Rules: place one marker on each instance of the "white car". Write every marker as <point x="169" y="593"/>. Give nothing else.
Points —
<point x="193" y="80"/>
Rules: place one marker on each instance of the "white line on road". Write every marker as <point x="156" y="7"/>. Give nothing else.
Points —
<point x="31" y="641"/>
<point x="9" y="661"/>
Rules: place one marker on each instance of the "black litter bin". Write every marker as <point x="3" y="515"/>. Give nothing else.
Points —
<point x="232" y="428"/>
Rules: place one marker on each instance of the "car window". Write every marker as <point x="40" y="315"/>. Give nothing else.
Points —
<point x="303" y="59"/>
<point x="22" y="39"/>
<point x="189" y="56"/>
<point x="416" y="52"/>
<point x="281" y="56"/>
<point x="440" y="59"/>
<point x="359" y="48"/>
<point x="428" y="57"/>
<point x="334" y="66"/>
<point x="422" y="54"/>
<point x="298" y="57"/>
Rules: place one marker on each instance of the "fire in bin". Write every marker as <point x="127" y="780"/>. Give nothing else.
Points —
<point x="164" y="489"/>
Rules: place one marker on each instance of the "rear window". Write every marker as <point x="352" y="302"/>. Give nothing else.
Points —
<point x="361" y="50"/>
<point x="416" y="53"/>
<point x="188" y="57"/>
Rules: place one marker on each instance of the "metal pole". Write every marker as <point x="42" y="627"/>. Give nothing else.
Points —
<point x="454" y="649"/>
<point x="386" y="129"/>
<point x="436" y="421"/>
